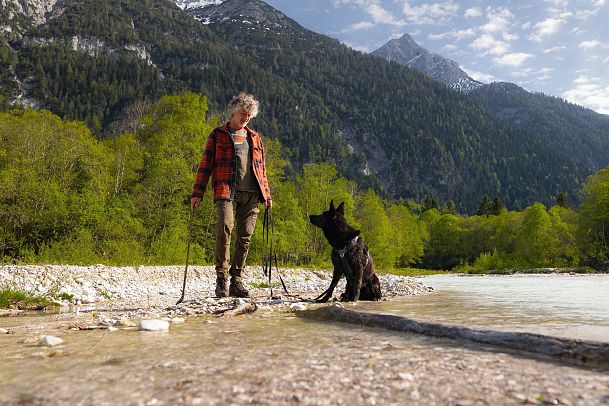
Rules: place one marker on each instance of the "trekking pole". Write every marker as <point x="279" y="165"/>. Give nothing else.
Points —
<point x="192" y="211"/>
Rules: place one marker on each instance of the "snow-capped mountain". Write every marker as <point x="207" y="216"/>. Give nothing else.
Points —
<point x="407" y="52"/>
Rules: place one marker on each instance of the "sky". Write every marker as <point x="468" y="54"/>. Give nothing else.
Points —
<point x="557" y="47"/>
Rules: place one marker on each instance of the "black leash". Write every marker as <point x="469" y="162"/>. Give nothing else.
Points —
<point x="192" y="214"/>
<point x="268" y="235"/>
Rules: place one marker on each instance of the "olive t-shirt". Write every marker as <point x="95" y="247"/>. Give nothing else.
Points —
<point x="246" y="180"/>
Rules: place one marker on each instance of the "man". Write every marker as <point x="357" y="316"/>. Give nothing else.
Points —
<point x="234" y="158"/>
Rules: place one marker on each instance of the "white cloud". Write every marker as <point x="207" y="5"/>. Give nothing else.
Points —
<point x="546" y="28"/>
<point x="364" y="25"/>
<point x="606" y="60"/>
<point x="522" y="73"/>
<point x="577" y="31"/>
<point x="450" y="48"/>
<point x="498" y="20"/>
<point x="558" y="2"/>
<point x="430" y="13"/>
<point x="514" y="59"/>
<point x="373" y="9"/>
<point x="510" y="37"/>
<point x="489" y="45"/>
<point x="592" y="44"/>
<point x="480" y="76"/>
<point x="472" y="12"/>
<point x="557" y="48"/>
<point x="545" y="74"/>
<point x="455" y="34"/>
<point x="589" y="92"/>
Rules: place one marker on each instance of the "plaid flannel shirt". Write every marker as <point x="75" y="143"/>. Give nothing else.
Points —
<point x="218" y="161"/>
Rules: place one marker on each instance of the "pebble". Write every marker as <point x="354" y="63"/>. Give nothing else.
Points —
<point x="3" y="331"/>
<point x="298" y="306"/>
<point x="153" y="325"/>
<point x="49" y="341"/>
<point x="177" y="320"/>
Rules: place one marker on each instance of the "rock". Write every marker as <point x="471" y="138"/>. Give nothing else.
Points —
<point x="298" y="306"/>
<point x="241" y="309"/>
<point x="110" y="328"/>
<point x="3" y="331"/>
<point x="177" y="320"/>
<point x="153" y="325"/>
<point x="125" y="323"/>
<point x="406" y="376"/>
<point x="49" y="341"/>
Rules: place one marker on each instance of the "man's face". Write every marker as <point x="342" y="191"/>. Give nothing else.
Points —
<point x="240" y="118"/>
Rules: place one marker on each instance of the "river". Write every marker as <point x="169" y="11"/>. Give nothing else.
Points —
<point x="572" y="306"/>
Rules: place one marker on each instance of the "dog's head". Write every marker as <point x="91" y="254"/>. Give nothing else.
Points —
<point x="333" y="223"/>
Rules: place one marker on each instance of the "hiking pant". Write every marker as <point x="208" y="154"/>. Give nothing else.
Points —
<point x="244" y="211"/>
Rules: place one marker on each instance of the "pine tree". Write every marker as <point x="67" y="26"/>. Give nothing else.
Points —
<point x="497" y="206"/>
<point x="486" y="206"/>
<point x="430" y="203"/>
<point x="563" y="200"/>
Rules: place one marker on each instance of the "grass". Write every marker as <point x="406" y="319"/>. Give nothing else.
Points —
<point x="16" y="299"/>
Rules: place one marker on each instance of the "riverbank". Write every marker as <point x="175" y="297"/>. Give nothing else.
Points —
<point x="103" y="296"/>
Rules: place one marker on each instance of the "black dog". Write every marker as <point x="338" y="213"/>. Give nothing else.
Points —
<point x="350" y="257"/>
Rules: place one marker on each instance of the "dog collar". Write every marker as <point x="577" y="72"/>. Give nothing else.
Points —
<point x="341" y="252"/>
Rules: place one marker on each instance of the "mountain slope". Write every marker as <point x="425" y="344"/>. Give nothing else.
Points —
<point x="90" y="60"/>
<point x="407" y="52"/>
<point x="420" y="136"/>
<point x="575" y="131"/>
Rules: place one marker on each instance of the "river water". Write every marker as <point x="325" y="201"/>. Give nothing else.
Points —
<point x="573" y="306"/>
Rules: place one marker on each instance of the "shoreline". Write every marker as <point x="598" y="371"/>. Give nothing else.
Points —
<point x="102" y="297"/>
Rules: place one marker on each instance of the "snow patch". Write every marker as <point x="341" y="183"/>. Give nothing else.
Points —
<point x="190" y="4"/>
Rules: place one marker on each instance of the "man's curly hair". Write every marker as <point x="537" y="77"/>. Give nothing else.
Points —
<point x="244" y="102"/>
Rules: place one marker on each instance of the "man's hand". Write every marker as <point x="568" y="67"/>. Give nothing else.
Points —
<point x="268" y="203"/>
<point x="194" y="202"/>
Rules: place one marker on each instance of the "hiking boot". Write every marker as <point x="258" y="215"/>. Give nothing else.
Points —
<point x="221" y="290"/>
<point x="237" y="289"/>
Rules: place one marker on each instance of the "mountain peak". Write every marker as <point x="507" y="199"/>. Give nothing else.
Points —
<point x="407" y="52"/>
<point x="246" y="11"/>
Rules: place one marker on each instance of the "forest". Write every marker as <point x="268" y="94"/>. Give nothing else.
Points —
<point x="324" y="101"/>
<point x="69" y="197"/>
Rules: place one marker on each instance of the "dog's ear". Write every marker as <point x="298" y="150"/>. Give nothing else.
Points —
<point x="341" y="208"/>
<point x="332" y="205"/>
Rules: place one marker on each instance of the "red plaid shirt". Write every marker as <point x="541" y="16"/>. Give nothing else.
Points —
<point x="218" y="161"/>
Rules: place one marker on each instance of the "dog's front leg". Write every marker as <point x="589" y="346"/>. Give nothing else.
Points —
<point x="324" y="297"/>
<point x="358" y="284"/>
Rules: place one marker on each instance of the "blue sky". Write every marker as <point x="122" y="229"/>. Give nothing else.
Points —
<point x="558" y="47"/>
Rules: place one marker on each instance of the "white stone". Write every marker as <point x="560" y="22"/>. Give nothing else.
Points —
<point x="3" y="331"/>
<point x="298" y="306"/>
<point x="49" y="341"/>
<point x="153" y="325"/>
<point x="177" y="320"/>
<point x="406" y="376"/>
